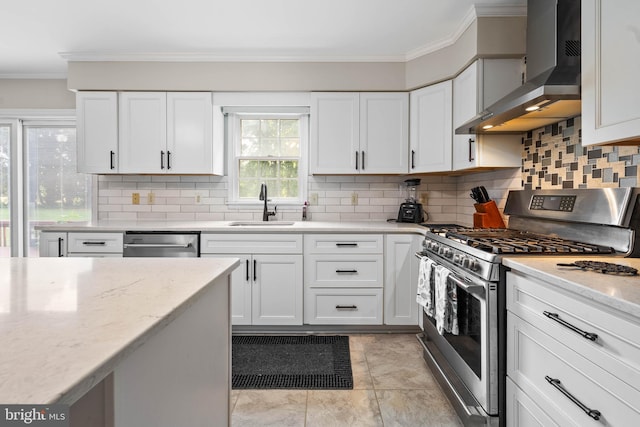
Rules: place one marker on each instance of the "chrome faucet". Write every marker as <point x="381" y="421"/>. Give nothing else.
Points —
<point x="263" y="196"/>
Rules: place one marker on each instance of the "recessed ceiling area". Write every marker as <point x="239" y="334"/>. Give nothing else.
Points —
<point x="39" y="36"/>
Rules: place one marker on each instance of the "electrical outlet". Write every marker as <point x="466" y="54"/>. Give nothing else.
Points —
<point x="151" y="198"/>
<point x="423" y="198"/>
<point x="198" y="198"/>
<point x="313" y="198"/>
<point x="135" y="198"/>
<point x="354" y="198"/>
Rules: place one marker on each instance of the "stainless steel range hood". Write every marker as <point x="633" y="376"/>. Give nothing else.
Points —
<point x="553" y="74"/>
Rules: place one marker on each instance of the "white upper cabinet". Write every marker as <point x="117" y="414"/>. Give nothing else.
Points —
<point x="335" y="133"/>
<point x="167" y="132"/>
<point x="97" y="132"/>
<point x="610" y="64"/>
<point x="384" y="132"/>
<point x="143" y="132"/>
<point x="478" y="86"/>
<point x="190" y="132"/>
<point x="431" y="128"/>
<point x="362" y="133"/>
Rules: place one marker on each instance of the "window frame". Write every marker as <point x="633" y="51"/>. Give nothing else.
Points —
<point x="232" y="126"/>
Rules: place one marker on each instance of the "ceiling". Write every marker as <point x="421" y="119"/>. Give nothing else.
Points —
<point x="37" y="37"/>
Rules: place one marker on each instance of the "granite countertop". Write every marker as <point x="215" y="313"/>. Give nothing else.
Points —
<point x="621" y="293"/>
<point x="225" y="226"/>
<point x="65" y="323"/>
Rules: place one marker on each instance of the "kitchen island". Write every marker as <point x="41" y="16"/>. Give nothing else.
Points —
<point x="152" y="335"/>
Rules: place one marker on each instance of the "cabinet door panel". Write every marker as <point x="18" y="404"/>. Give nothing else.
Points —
<point x="97" y="130"/>
<point x="401" y="279"/>
<point x="190" y="132"/>
<point x="610" y="61"/>
<point x="52" y="244"/>
<point x="384" y="133"/>
<point x="277" y="290"/>
<point x="241" y="292"/>
<point x="143" y="132"/>
<point x="431" y="128"/>
<point x="335" y="133"/>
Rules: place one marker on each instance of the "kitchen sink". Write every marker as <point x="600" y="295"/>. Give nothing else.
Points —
<point x="259" y="223"/>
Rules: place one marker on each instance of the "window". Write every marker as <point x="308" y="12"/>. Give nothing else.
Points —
<point x="267" y="148"/>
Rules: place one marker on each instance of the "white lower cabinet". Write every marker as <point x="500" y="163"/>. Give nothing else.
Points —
<point x="267" y="286"/>
<point x="52" y="244"/>
<point x="362" y="306"/>
<point x="80" y="244"/>
<point x="343" y="279"/>
<point x="401" y="279"/>
<point x="571" y="362"/>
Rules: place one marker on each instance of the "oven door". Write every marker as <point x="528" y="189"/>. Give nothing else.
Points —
<point x="469" y="359"/>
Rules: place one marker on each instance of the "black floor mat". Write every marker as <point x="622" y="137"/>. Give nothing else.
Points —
<point x="291" y="362"/>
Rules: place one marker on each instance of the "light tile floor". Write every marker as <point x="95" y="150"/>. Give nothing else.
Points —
<point x="392" y="387"/>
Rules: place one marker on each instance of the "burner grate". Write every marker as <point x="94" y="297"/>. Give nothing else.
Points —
<point x="603" y="267"/>
<point x="505" y="241"/>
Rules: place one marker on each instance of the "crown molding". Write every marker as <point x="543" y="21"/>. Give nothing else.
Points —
<point x="35" y="76"/>
<point x="474" y="12"/>
<point x="88" y="56"/>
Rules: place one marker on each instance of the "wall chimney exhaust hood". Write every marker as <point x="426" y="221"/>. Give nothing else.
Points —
<point x="552" y="90"/>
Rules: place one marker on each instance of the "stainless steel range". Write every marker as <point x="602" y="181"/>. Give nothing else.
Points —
<point x="469" y="362"/>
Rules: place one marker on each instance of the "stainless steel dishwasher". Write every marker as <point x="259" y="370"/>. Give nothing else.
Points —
<point x="182" y="244"/>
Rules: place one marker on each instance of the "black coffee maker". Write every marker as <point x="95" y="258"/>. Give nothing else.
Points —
<point x="411" y="210"/>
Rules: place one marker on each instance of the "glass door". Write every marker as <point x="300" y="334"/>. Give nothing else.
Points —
<point x="5" y="187"/>
<point x="55" y="192"/>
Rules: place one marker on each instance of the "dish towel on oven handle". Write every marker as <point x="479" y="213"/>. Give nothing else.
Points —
<point x="446" y="298"/>
<point x="425" y="296"/>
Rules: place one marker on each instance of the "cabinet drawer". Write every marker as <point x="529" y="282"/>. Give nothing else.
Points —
<point x="340" y="271"/>
<point x="616" y="347"/>
<point x="534" y="358"/>
<point x="94" y="243"/>
<point x="343" y="244"/>
<point x="223" y="243"/>
<point x="343" y="306"/>
<point x="524" y="412"/>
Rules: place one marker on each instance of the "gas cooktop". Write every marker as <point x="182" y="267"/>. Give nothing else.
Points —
<point x="507" y="241"/>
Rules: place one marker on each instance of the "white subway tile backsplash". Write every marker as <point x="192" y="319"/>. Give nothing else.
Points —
<point x="447" y="197"/>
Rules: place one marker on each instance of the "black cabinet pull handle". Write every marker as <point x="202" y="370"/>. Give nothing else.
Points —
<point x="346" y="307"/>
<point x="247" y="270"/>
<point x="90" y="243"/>
<point x="255" y="273"/>
<point x="111" y="159"/>
<point x="168" y="160"/>
<point x="60" y="240"/>
<point x="357" y="160"/>
<point x="593" y="413"/>
<point x="472" y="154"/>
<point x="346" y="244"/>
<point x="413" y="159"/>
<point x="161" y="159"/>
<point x="554" y="316"/>
<point x="346" y="271"/>
<point x="363" y="160"/>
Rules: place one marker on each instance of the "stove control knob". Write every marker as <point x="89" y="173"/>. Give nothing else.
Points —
<point x="448" y="253"/>
<point x="457" y="259"/>
<point x="465" y="262"/>
<point x="473" y="265"/>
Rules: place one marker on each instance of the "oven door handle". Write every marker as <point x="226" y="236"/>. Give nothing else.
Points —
<point x="468" y="287"/>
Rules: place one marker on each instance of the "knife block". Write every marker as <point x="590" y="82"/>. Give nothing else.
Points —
<point x="487" y="216"/>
